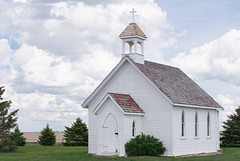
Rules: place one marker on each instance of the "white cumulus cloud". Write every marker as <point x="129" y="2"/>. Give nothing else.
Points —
<point x="5" y="52"/>
<point x="230" y="103"/>
<point x="218" y="59"/>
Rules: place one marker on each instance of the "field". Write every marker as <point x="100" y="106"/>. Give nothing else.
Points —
<point x="59" y="153"/>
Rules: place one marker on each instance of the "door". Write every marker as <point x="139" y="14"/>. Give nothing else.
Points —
<point x="110" y="134"/>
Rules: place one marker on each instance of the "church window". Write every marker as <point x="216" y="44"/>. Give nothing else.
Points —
<point x="133" y="128"/>
<point x="183" y="124"/>
<point x="196" y="124"/>
<point x="208" y="124"/>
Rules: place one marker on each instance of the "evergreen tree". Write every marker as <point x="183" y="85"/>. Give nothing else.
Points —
<point x="18" y="137"/>
<point x="7" y="122"/>
<point x="47" y="137"/>
<point x="77" y="135"/>
<point x="231" y="133"/>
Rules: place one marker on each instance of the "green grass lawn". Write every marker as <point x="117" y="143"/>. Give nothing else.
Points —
<point x="41" y="153"/>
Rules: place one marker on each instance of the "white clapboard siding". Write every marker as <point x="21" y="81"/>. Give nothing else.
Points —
<point x="190" y="144"/>
<point x="158" y="111"/>
<point x="217" y="130"/>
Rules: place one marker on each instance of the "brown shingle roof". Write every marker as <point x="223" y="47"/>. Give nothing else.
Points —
<point x="132" y="30"/>
<point x="127" y="103"/>
<point x="176" y="85"/>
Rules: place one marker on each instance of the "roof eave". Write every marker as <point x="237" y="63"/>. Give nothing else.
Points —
<point x="196" y="106"/>
<point x="134" y="113"/>
<point x="84" y="106"/>
<point x="133" y="36"/>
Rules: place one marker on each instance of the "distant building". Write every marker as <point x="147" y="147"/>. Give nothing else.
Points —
<point x="32" y="137"/>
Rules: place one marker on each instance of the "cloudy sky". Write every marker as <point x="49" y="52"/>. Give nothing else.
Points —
<point x="54" y="53"/>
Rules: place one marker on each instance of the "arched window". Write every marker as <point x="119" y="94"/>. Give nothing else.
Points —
<point x="196" y="124"/>
<point x="183" y="124"/>
<point x="133" y="128"/>
<point x="208" y="124"/>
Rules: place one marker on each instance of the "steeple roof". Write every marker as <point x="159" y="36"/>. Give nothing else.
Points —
<point x="132" y="30"/>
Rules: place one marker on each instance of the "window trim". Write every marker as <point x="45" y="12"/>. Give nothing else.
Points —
<point x="196" y="126"/>
<point x="133" y="128"/>
<point x="183" y="125"/>
<point x="208" y="125"/>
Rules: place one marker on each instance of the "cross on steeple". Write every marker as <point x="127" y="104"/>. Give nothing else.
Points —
<point x="133" y="11"/>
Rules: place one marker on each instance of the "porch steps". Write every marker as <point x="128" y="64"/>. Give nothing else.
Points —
<point x="107" y="155"/>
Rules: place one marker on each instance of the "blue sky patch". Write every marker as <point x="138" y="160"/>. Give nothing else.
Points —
<point x="12" y="43"/>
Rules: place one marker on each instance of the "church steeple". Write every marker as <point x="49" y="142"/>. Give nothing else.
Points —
<point x="134" y="37"/>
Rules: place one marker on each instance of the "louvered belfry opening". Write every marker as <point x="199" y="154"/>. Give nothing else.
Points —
<point x="133" y="38"/>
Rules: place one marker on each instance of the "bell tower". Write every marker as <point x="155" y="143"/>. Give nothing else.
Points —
<point x="133" y="39"/>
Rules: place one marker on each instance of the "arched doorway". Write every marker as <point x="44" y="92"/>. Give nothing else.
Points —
<point x="110" y="134"/>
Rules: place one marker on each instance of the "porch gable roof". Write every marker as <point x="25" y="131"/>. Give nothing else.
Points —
<point x="124" y="102"/>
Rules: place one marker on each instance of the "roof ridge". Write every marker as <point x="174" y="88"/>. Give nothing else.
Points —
<point x="161" y="64"/>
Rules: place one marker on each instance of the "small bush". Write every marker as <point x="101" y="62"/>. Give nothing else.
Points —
<point x="144" y="145"/>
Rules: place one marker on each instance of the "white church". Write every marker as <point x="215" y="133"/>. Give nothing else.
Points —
<point x="140" y="96"/>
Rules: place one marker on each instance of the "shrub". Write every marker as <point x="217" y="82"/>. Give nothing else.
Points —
<point x="144" y="145"/>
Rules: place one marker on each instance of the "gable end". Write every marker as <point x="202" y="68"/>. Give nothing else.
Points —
<point x="124" y="102"/>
